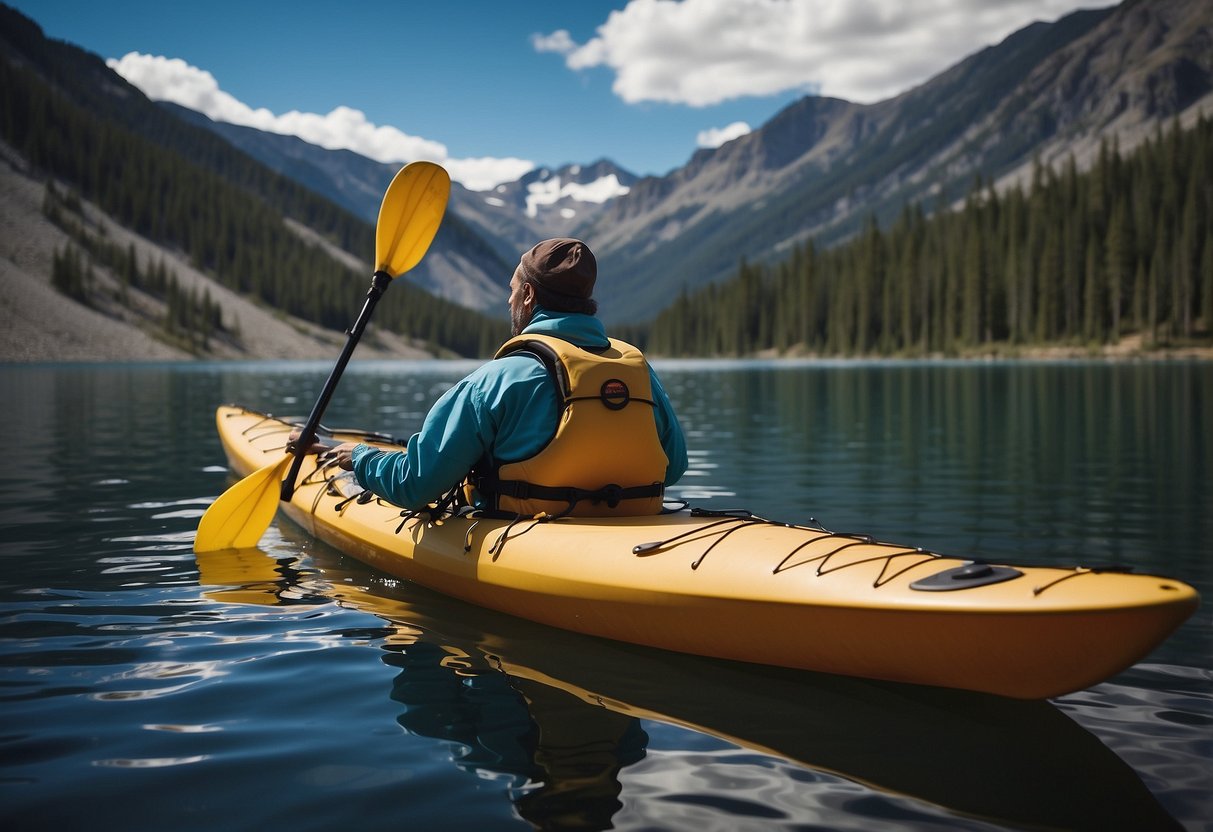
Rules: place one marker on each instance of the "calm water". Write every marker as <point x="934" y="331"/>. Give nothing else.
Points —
<point x="291" y="687"/>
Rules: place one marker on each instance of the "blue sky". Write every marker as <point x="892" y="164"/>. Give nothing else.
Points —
<point x="493" y="88"/>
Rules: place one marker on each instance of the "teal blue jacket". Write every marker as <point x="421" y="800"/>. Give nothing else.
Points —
<point x="507" y="409"/>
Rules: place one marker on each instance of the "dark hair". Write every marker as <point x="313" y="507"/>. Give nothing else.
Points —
<point x="554" y="302"/>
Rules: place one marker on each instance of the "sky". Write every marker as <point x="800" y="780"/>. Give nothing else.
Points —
<point x="492" y="89"/>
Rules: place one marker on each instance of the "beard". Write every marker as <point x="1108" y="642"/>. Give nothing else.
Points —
<point x="519" y="318"/>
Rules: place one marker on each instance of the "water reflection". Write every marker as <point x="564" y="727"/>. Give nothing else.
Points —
<point x="1049" y="458"/>
<point x="558" y="761"/>
<point x="109" y="468"/>
<point x="557" y="719"/>
<point x="250" y="576"/>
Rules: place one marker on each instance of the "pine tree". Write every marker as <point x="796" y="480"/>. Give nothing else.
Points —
<point x="1187" y="256"/>
<point x="1206" y="271"/>
<point x="1092" y="304"/>
<point x="1117" y="248"/>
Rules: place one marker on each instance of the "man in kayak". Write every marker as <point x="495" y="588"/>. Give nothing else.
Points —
<point x="563" y="421"/>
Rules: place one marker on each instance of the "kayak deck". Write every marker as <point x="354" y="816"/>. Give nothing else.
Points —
<point x="736" y="586"/>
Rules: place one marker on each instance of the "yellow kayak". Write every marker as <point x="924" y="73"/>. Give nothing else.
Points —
<point x="736" y="586"/>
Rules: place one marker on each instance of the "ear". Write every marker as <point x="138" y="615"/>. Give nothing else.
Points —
<point x="528" y="294"/>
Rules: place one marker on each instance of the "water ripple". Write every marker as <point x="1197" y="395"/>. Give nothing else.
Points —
<point x="1164" y="731"/>
<point x="314" y="693"/>
<point x="151" y="762"/>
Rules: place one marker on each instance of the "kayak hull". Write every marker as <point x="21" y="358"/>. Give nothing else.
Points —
<point x="739" y="588"/>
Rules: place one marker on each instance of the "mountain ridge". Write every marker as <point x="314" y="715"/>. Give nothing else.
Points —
<point x="507" y="220"/>
<point x="927" y="144"/>
<point x="821" y="165"/>
<point x="119" y="162"/>
<point x="820" y="168"/>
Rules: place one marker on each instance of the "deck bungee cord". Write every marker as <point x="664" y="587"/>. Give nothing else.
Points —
<point x="742" y="518"/>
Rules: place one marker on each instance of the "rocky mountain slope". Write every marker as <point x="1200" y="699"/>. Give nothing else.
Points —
<point x="37" y="323"/>
<point x="506" y="220"/>
<point x="132" y="233"/>
<point x="821" y="166"/>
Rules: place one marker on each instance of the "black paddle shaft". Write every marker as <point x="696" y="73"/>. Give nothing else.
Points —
<point x="379" y="283"/>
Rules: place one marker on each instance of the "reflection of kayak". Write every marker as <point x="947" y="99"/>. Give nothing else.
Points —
<point x="1024" y="764"/>
<point x="735" y="586"/>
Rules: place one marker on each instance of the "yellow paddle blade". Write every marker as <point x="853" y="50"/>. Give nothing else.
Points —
<point x="409" y="217"/>
<point x="242" y="513"/>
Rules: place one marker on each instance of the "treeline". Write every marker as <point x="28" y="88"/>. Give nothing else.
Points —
<point x="234" y="232"/>
<point x="73" y="275"/>
<point x="1076" y="259"/>
<point x="190" y="318"/>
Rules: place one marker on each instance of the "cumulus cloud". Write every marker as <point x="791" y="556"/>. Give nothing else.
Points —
<point x="716" y="136"/>
<point x="172" y="79"/>
<point x="486" y="173"/>
<point x="704" y="52"/>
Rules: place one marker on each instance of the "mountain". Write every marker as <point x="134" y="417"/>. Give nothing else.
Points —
<point x="544" y="203"/>
<point x="818" y="169"/>
<point x="822" y="166"/>
<point x="554" y="202"/>
<point x="1114" y="261"/>
<point x="507" y="220"/>
<point x="39" y="323"/>
<point x="352" y="181"/>
<point x="158" y="225"/>
<point x="465" y="264"/>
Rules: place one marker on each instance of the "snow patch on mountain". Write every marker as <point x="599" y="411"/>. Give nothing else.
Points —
<point x="553" y="189"/>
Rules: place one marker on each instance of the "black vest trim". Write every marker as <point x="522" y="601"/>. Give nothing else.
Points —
<point x="612" y="495"/>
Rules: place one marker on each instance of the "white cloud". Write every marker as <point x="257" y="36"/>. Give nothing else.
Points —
<point x="703" y="52"/>
<point x="172" y="79"/>
<point x="559" y="41"/>
<point x="486" y="173"/>
<point x="716" y="136"/>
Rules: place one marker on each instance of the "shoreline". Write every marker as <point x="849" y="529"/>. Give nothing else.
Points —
<point x="1026" y="356"/>
<point x="1130" y="348"/>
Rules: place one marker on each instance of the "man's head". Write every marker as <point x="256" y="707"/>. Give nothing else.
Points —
<point x="556" y="274"/>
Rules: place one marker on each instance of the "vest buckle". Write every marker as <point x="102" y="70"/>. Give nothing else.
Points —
<point x="611" y="494"/>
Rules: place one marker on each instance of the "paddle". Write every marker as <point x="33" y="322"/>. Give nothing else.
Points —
<point x="409" y="217"/>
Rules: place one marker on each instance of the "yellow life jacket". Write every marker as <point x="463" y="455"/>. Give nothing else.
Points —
<point x="605" y="458"/>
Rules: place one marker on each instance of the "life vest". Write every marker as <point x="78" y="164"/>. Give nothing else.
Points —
<point x="605" y="458"/>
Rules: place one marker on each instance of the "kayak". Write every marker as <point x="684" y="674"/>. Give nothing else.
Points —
<point x="734" y="585"/>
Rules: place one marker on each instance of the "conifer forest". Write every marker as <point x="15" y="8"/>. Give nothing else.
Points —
<point x="1123" y="249"/>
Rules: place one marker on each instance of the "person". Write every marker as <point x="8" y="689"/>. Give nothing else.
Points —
<point x="563" y="421"/>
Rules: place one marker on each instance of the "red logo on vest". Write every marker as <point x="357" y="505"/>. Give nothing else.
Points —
<point x="614" y="394"/>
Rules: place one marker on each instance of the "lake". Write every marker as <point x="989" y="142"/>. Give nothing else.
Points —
<point x="145" y="688"/>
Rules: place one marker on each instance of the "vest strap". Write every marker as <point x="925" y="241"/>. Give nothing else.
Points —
<point x="612" y="495"/>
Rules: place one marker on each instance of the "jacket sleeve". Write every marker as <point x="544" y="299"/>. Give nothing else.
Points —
<point x="670" y="432"/>
<point x="452" y="438"/>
